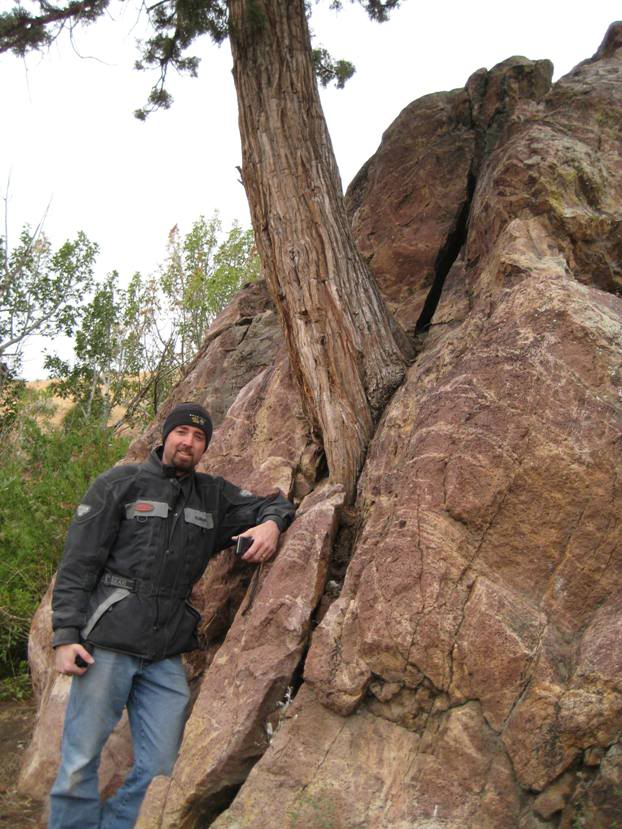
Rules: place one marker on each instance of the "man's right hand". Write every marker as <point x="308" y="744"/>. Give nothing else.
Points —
<point x="65" y="659"/>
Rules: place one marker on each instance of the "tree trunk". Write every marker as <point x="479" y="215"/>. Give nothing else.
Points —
<point x="346" y="351"/>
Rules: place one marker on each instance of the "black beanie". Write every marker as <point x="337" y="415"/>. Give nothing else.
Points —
<point x="189" y="414"/>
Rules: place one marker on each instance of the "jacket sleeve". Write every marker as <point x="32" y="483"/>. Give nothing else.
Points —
<point x="90" y="537"/>
<point x="241" y="509"/>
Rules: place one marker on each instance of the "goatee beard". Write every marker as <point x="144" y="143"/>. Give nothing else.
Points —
<point x="183" y="462"/>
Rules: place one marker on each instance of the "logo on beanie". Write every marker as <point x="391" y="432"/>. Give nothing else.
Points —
<point x="200" y="421"/>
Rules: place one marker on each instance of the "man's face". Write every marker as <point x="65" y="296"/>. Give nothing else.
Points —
<point x="183" y="448"/>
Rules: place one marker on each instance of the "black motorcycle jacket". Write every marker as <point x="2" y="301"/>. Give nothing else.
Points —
<point x="138" y="542"/>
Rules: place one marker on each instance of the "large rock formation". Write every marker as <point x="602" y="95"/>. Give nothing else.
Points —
<point x="469" y="658"/>
<point x="467" y="672"/>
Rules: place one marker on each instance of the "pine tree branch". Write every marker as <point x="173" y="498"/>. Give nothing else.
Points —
<point x="20" y="31"/>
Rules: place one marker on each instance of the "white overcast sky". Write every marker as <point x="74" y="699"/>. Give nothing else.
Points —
<point x="70" y="144"/>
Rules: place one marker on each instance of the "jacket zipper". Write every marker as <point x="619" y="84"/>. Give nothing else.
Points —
<point x="183" y="559"/>
<point x="176" y="505"/>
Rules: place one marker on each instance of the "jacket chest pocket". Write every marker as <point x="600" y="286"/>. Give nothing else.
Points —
<point x="145" y="520"/>
<point x="197" y="518"/>
<point x="199" y="535"/>
<point x="143" y="510"/>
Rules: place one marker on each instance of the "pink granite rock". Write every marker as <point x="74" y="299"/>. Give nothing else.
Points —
<point x="323" y="770"/>
<point x="467" y="674"/>
<point x="237" y="708"/>
<point x="409" y="203"/>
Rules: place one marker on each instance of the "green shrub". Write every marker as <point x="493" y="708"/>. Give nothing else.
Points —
<point x="43" y="474"/>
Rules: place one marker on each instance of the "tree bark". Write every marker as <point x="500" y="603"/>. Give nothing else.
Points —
<point x="347" y="353"/>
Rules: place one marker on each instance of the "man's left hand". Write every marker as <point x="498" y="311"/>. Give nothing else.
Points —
<point x="265" y="541"/>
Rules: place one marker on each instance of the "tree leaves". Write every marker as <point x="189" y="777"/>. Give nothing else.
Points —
<point x="44" y="472"/>
<point x="328" y="70"/>
<point x="22" y="31"/>
<point x="41" y="290"/>
<point x="202" y="275"/>
<point x="134" y="343"/>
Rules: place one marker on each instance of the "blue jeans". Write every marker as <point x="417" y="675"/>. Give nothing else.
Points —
<point x="156" y="695"/>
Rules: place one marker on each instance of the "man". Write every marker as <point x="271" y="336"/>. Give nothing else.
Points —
<point x="139" y="540"/>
